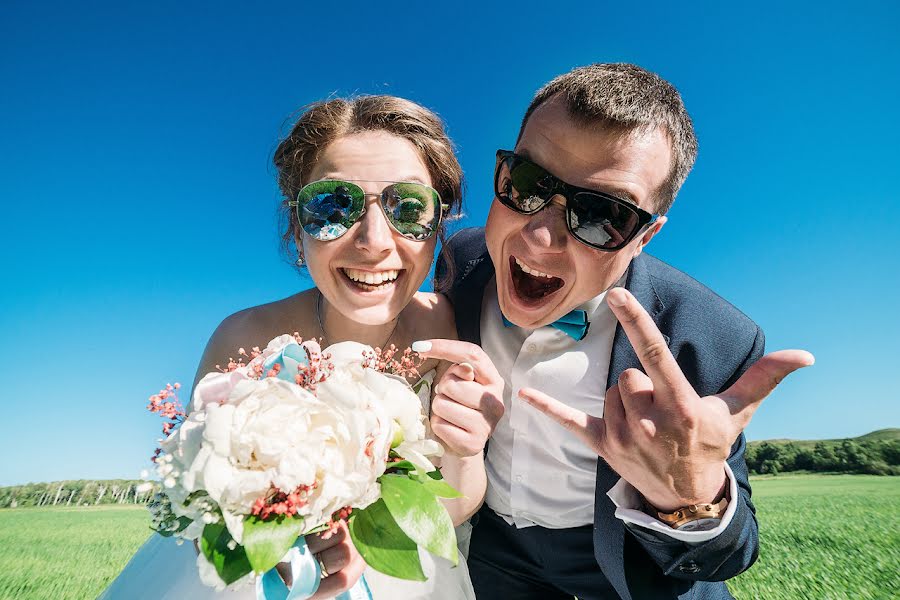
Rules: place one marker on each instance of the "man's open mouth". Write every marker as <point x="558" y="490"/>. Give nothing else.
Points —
<point x="532" y="284"/>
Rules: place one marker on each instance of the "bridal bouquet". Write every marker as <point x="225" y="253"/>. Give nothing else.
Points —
<point x="292" y="442"/>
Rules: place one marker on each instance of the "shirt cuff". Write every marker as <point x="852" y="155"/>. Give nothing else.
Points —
<point x="628" y="503"/>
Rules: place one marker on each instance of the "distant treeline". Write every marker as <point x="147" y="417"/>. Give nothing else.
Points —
<point x="80" y="492"/>
<point x="876" y="453"/>
<point x="858" y="455"/>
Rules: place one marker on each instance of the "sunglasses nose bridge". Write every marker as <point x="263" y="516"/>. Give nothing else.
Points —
<point x="546" y="229"/>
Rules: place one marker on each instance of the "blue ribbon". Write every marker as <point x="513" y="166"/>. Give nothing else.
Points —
<point x="306" y="574"/>
<point x="575" y="324"/>
<point x="290" y="357"/>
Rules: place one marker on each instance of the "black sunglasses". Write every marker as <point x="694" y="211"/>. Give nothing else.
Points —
<point x="594" y="218"/>
<point x="328" y="208"/>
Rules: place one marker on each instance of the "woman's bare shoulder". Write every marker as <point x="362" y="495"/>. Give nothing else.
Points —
<point x="256" y="325"/>
<point x="434" y="316"/>
<point x="294" y="313"/>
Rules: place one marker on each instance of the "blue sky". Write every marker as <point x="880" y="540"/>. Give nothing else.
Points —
<point x="139" y="202"/>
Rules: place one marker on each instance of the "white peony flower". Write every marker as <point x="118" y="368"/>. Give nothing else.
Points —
<point x="246" y="435"/>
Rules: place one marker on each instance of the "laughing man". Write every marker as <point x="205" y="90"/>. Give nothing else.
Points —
<point x="617" y="469"/>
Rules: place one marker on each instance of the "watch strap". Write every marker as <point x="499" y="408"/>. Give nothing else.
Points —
<point x="693" y="512"/>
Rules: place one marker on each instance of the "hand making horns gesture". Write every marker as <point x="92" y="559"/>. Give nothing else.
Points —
<point x="656" y="432"/>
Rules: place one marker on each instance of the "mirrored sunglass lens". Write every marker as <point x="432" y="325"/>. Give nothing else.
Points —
<point x="599" y="221"/>
<point x="526" y="185"/>
<point x="414" y="210"/>
<point x="329" y="208"/>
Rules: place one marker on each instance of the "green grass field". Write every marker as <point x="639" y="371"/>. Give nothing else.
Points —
<point x="822" y="536"/>
<point x="66" y="553"/>
<point x="825" y="536"/>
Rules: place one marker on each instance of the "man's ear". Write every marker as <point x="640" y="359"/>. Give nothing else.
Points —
<point x="648" y="235"/>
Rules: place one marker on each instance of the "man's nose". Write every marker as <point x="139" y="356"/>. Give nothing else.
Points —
<point x="546" y="229"/>
<point x="374" y="235"/>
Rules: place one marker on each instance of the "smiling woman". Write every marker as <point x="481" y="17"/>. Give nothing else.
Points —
<point x="367" y="184"/>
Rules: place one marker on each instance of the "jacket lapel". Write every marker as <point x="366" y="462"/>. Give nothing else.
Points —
<point x="609" y="532"/>
<point x="468" y="295"/>
<point x="641" y="287"/>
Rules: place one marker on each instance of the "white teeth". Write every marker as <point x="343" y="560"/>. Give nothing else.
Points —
<point x="372" y="278"/>
<point x="531" y="271"/>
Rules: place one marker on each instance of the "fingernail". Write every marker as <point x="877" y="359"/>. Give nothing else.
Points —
<point x="617" y="297"/>
<point x="421" y="346"/>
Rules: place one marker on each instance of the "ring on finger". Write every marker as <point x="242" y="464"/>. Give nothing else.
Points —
<point x="325" y="572"/>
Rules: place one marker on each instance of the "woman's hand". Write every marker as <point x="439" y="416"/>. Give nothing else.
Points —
<point x="342" y="563"/>
<point x="468" y="399"/>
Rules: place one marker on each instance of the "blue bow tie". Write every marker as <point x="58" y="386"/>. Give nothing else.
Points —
<point x="575" y="324"/>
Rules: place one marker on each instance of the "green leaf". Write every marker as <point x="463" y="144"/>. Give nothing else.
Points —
<point x="267" y="542"/>
<point x="432" y="480"/>
<point x="231" y="565"/>
<point x="383" y="545"/>
<point x="420" y="514"/>
<point x="403" y="465"/>
<point x="440" y="488"/>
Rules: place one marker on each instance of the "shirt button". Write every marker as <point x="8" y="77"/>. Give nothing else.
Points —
<point x="532" y="347"/>
<point x="689" y="568"/>
<point x="519" y="478"/>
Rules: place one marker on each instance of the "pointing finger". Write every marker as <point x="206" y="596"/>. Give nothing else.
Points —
<point x="457" y="351"/>
<point x="646" y="339"/>
<point x="589" y="429"/>
<point x="762" y="377"/>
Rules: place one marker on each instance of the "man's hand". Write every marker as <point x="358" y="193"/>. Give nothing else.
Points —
<point x="468" y="400"/>
<point x="656" y="432"/>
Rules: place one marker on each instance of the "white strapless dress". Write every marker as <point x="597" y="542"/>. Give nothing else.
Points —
<point x="164" y="570"/>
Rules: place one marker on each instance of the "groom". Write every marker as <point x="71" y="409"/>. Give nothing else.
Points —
<point x="643" y="490"/>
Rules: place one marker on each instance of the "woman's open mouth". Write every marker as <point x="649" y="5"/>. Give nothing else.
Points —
<point x="372" y="281"/>
<point x="531" y="285"/>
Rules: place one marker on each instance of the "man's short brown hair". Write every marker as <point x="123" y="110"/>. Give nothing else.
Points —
<point x="631" y="99"/>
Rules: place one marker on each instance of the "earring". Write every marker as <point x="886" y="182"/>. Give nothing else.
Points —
<point x="300" y="261"/>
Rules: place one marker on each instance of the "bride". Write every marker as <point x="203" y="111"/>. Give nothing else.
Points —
<point x="366" y="182"/>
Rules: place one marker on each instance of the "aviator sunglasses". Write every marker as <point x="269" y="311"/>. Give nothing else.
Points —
<point x="594" y="218"/>
<point x="327" y="209"/>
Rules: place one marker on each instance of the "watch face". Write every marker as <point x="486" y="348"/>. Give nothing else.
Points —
<point x="701" y="525"/>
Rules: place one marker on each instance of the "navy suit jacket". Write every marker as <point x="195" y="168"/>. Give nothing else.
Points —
<point x="714" y="344"/>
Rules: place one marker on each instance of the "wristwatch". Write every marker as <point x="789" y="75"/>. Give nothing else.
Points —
<point x="695" y="517"/>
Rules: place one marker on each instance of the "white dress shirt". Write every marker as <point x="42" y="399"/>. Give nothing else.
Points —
<point x="539" y="473"/>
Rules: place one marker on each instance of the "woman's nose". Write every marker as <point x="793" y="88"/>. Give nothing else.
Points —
<point x="374" y="235"/>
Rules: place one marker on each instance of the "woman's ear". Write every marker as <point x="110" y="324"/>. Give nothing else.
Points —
<point x="298" y="243"/>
